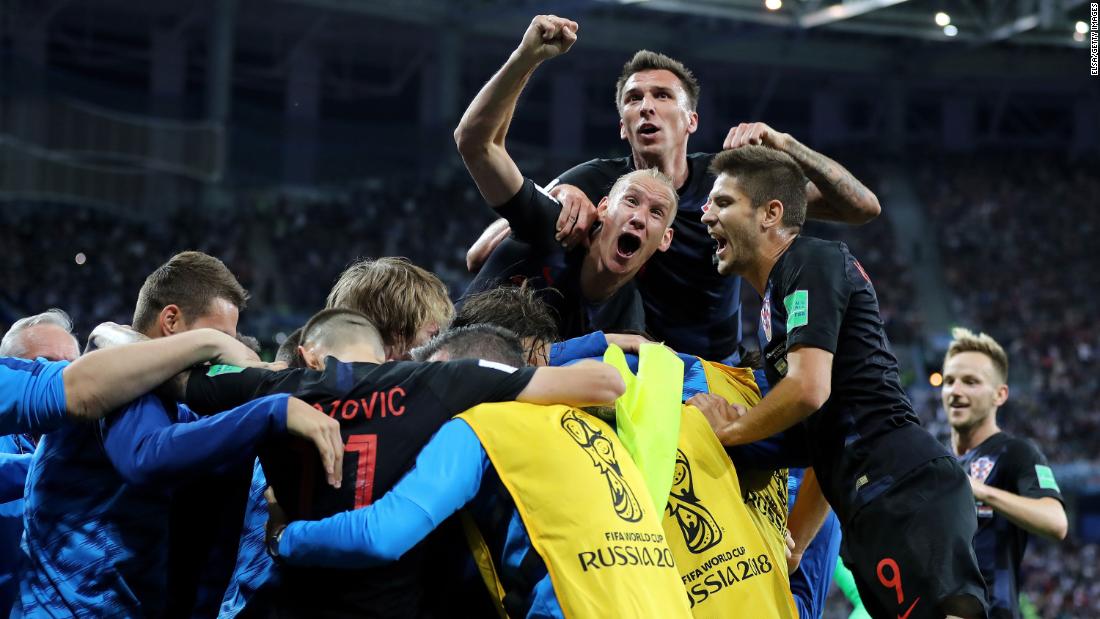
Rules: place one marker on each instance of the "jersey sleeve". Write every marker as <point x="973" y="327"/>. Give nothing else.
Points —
<point x="815" y="294"/>
<point x="584" y="347"/>
<point x="32" y="395"/>
<point x="446" y="476"/>
<point x="533" y="216"/>
<point x="462" y="384"/>
<point x="146" y="446"/>
<point x="591" y="177"/>
<point x="1034" y="478"/>
<point x="219" y="387"/>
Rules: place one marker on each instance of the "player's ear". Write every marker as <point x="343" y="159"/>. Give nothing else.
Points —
<point x="622" y="129"/>
<point x="601" y="208"/>
<point x="1000" y="396"/>
<point x="170" y="321"/>
<point x="772" y="214"/>
<point x="693" y="122"/>
<point x="311" y="359"/>
<point x="666" y="239"/>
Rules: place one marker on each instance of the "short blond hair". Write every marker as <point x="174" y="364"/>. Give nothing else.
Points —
<point x="398" y="297"/>
<point x="965" y="340"/>
<point x="625" y="180"/>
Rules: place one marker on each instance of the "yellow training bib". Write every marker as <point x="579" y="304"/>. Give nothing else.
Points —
<point x="586" y="509"/>
<point x="727" y="563"/>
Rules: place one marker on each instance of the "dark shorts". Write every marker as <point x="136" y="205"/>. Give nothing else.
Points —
<point x="911" y="549"/>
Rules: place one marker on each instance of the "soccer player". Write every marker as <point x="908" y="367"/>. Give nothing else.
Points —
<point x="517" y="309"/>
<point x="47" y="335"/>
<point x="625" y="568"/>
<point x="406" y="303"/>
<point x="98" y="499"/>
<point x="387" y="412"/>
<point x="1014" y="488"/>
<point x="593" y="283"/>
<point x="903" y="502"/>
<point x="687" y="305"/>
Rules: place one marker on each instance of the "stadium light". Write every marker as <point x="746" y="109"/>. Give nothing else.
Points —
<point x="80" y="258"/>
<point x="773" y="5"/>
<point x="936" y="379"/>
<point x="950" y="30"/>
<point x="942" y="19"/>
<point x="1077" y="36"/>
<point x="1082" y="27"/>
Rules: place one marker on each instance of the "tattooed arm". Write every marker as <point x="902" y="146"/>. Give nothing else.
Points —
<point x="832" y="193"/>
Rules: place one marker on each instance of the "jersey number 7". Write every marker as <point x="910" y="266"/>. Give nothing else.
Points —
<point x="366" y="445"/>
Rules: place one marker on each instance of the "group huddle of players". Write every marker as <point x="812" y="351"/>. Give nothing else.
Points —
<point x="530" y="453"/>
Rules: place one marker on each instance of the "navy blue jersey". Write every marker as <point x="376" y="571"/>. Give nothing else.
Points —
<point x="1014" y="465"/>
<point x="866" y="435"/>
<point x="99" y="498"/>
<point x="387" y="413"/>
<point x="532" y="255"/>
<point x="688" y="305"/>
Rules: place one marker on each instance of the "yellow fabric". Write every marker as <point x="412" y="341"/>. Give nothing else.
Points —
<point x="586" y="509"/>
<point x="647" y="415"/>
<point x="483" y="558"/>
<point x="764" y="491"/>
<point x="726" y="562"/>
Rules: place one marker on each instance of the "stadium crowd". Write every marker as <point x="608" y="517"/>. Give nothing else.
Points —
<point x="135" y="495"/>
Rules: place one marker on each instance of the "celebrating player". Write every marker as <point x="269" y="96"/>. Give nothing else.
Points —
<point x="825" y="353"/>
<point x="387" y="412"/>
<point x="1013" y="486"/>
<point x="593" y="282"/>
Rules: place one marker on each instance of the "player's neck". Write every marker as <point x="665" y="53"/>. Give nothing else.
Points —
<point x="599" y="284"/>
<point x="967" y="439"/>
<point x="673" y="164"/>
<point x="773" y="248"/>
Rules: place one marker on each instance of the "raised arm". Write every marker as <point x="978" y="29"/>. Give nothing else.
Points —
<point x="832" y="193"/>
<point x="481" y="132"/>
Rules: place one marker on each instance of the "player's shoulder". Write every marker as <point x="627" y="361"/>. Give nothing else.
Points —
<point x="1018" y="446"/>
<point x="812" y="250"/>
<point x="607" y="169"/>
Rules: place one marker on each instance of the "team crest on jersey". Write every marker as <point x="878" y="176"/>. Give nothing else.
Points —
<point x="981" y="468"/>
<point x="602" y="452"/>
<point x="700" y="529"/>
<point x="766" y="314"/>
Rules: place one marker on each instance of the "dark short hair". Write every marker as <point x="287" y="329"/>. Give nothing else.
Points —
<point x="516" y="308"/>
<point x="646" y="60"/>
<point x="288" y="350"/>
<point x="765" y="174"/>
<point x="488" y="342"/>
<point x="192" y="280"/>
<point x="335" y="326"/>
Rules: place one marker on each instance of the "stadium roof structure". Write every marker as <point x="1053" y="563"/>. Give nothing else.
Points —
<point x="1023" y="22"/>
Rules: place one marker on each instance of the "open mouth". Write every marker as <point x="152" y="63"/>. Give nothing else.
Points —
<point x="628" y="244"/>
<point x="720" y="242"/>
<point x="648" y="129"/>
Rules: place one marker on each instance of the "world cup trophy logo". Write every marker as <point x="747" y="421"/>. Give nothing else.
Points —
<point x="602" y="453"/>
<point x="700" y="529"/>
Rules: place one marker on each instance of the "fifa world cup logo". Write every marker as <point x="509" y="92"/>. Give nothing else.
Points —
<point x="700" y="529"/>
<point x="602" y="453"/>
